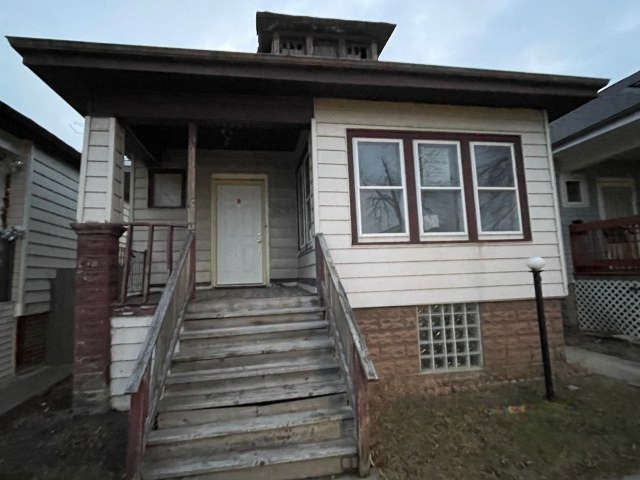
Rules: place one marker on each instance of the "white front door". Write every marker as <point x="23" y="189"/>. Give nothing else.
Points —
<point x="616" y="198"/>
<point x="239" y="232"/>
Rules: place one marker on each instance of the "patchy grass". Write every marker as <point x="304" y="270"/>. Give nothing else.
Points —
<point x="592" y="432"/>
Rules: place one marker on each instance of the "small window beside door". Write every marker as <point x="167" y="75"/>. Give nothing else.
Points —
<point x="574" y="191"/>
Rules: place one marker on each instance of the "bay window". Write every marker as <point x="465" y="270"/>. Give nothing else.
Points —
<point x="418" y="187"/>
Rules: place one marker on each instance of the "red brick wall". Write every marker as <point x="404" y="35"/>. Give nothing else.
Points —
<point x="31" y="340"/>
<point x="510" y="340"/>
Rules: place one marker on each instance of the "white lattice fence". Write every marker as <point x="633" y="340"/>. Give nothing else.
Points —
<point x="609" y="305"/>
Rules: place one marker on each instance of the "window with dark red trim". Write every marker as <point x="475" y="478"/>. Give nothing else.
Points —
<point x="422" y="187"/>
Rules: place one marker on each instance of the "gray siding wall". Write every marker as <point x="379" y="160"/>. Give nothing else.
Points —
<point x="50" y="241"/>
<point x="590" y="213"/>
<point x="280" y="170"/>
<point x="7" y="341"/>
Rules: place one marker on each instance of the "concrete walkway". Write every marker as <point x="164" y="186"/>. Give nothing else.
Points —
<point x="606" y="365"/>
<point x="24" y="387"/>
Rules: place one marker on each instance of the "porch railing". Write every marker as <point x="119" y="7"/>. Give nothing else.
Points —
<point x="135" y="279"/>
<point x="147" y="380"/>
<point x="607" y="247"/>
<point x="350" y="346"/>
<point x="131" y="258"/>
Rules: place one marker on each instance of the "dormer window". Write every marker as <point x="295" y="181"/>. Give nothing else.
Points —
<point x="292" y="46"/>
<point x="357" y="52"/>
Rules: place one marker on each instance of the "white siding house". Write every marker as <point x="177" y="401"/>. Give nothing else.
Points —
<point x="390" y="275"/>
<point x="42" y="174"/>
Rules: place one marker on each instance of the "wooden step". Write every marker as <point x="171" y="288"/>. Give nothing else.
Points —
<point x="201" y="322"/>
<point x="196" y="417"/>
<point x="254" y="333"/>
<point x="276" y="368"/>
<point x="283" y="463"/>
<point x="250" y="304"/>
<point x="251" y="433"/>
<point x="241" y="313"/>
<point x="251" y="396"/>
<point x="249" y="349"/>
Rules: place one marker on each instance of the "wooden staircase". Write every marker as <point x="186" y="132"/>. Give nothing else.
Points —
<point x="254" y="392"/>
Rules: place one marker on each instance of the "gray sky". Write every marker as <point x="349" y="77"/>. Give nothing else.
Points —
<point x="573" y="37"/>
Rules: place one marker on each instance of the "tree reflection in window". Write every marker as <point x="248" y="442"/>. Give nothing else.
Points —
<point x="381" y="188"/>
<point x="497" y="193"/>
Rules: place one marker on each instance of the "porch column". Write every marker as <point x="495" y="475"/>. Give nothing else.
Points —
<point x="99" y="217"/>
<point x="191" y="194"/>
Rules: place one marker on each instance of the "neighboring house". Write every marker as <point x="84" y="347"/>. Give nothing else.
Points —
<point x="596" y="149"/>
<point x="412" y="195"/>
<point x="38" y="192"/>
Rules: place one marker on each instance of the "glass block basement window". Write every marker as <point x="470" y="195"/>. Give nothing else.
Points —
<point x="449" y="336"/>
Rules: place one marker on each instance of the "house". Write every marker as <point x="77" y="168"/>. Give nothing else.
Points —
<point x="596" y="149"/>
<point x="39" y="191"/>
<point x="339" y="221"/>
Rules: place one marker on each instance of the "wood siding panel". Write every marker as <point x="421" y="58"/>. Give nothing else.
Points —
<point x="7" y="341"/>
<point x="396" y="275"/>
<point x="127" y="336"/>
<point x="101" y="177"/>
<point x="50" y="241"/>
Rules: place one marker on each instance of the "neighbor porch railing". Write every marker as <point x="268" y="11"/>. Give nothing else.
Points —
<point x="147" y="380"/>
<point x="350" y="346"/>
<point x="132" y="269"/>
<point x="607" y="247"/>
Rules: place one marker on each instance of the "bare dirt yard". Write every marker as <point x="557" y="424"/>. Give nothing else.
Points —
<point x="591" y="432"/>
<point x="41" y="439"/>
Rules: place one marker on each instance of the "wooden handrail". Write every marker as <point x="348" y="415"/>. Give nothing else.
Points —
<point x="351" y="349"/>
<point x="163" y="305"/>
<point x="357" y="336"/>
<point x="147" y="379"/>
<point x="606" y="247"/>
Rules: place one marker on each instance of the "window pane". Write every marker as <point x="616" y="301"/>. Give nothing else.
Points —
<point x="499" y="211"/>
<point x="379" y="164"/>
<point x="382" y="211"/>
<point x="442" y="211"/>
<point x="438" y="165"/>
<point x="494" y="166"/>
<point x="167" y="189"/>
<point x="573" y="191"/>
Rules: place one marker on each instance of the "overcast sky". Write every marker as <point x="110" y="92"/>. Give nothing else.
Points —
<point x="573" y="37"/>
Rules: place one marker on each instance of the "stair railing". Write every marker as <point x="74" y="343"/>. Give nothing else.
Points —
<point x="351" y="348"/>
<point x="147" y="379"/>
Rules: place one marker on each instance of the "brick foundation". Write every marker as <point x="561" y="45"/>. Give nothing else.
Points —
<point x="31" y="340"/>
<point x="510" y="344"/>
<point x="96" y="288"/>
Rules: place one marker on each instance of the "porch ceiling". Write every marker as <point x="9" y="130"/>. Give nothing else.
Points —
<point x="224" y="136"/>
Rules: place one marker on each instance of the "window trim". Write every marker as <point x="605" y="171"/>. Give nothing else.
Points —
<point x="406" y="139"/>
<point x="151" y="186"/>
<point x="304" y="197"/>
<point x="477" y="188"/>
<point x="356" y="164"/>
<point x="419" y="188"/>
<point x="581" y="178"/>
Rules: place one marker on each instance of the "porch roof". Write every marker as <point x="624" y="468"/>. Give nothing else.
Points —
<point x="114" y="79"/>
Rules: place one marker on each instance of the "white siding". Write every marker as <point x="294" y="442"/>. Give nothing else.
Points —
<point x="101" y="176"/>
<point x="376" y="276"/>
<point x="127" y="336"/>
<point x="50" y="241"/>
<point x="307" y="265"/>
<point x="7" y="341"/>
<point x="283" y="241"/>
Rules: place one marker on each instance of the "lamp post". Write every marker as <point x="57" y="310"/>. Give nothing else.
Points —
<point x="536" y="264"/>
